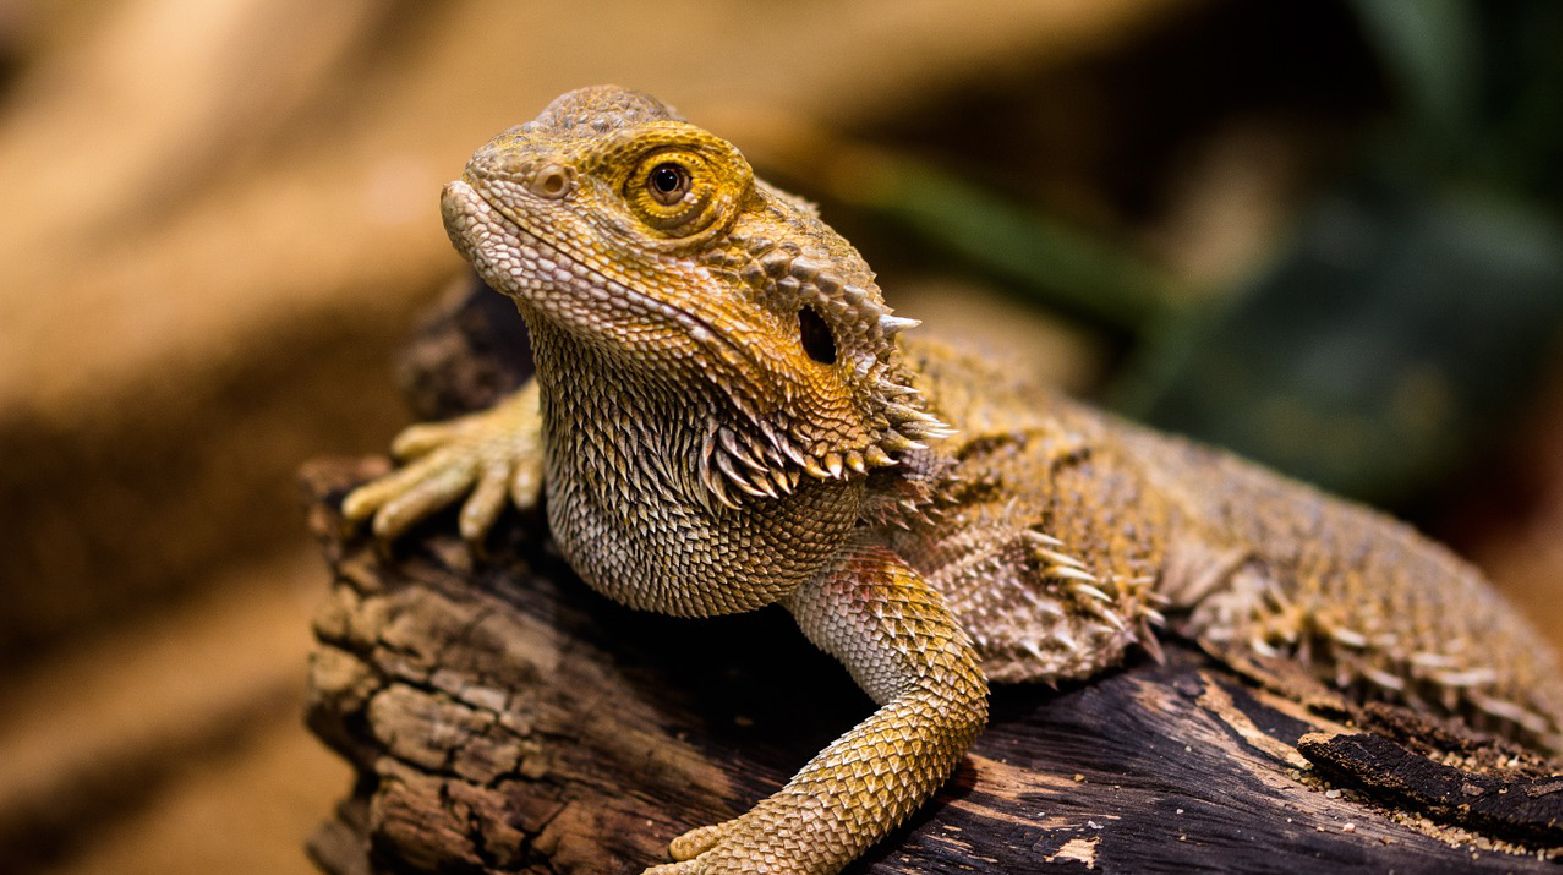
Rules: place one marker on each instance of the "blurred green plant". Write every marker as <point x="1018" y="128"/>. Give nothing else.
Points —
<point x="1389" y="339"/>
<point x="1018" y="247"/>
<point x="1409" y="311"/>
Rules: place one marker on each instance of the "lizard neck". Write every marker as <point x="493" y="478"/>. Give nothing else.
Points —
<point x="628" y="507"/>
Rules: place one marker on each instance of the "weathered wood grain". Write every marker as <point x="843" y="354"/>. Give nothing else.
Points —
<point x="504" y="718"/>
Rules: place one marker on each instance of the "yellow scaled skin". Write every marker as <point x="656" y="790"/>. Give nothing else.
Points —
<point x="725" y="417"/>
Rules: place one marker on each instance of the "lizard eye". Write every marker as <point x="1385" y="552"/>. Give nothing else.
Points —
<point x="668" y="183"/>
<point x="676" y="193"/>
<point x="815" y="335"/>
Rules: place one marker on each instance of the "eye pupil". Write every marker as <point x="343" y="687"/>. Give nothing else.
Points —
<point x="669" y="182"/>
<point x="666" y="178"/>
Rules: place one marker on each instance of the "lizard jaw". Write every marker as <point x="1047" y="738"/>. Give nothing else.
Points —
<point x="532" y="270"/>
<point x="549" y="279"/>
<point x="490" y="241"/>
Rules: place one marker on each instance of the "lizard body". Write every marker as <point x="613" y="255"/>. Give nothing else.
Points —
<point x="726" y="415"/>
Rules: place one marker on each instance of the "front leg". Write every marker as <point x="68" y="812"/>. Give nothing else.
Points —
<point x="489" y="457"/>
<point x="894" y="634"/>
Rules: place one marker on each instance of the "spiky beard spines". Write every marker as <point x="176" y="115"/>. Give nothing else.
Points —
<point x="764" y="453"/>
<point x="764" y="461"/>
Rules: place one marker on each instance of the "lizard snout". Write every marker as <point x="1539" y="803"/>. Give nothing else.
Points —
<point x="503" y="161"/>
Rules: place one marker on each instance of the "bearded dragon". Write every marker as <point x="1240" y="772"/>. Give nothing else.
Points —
<point x="726" y="415"/>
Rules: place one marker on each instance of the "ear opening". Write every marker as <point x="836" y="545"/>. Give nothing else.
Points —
<point x="816" y="336"/>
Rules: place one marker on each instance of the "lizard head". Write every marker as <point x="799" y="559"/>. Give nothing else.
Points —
<point x="614" y="222"/>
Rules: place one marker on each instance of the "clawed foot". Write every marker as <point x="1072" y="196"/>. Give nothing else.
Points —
<point x="487" y="457"/>
<point x="718" y="849"/>
<point x="687" y="848"/>
<point x="753" y="843"/>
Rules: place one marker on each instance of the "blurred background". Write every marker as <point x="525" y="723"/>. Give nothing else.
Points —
<point x="1322" y="232"/>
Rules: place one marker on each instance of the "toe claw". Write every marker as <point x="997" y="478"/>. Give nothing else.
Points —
<point x="371" y="497"/>
<point x="695" y="842"/>
<point x="483" y="506"/>
<point x="436" y="486"/>
<point x="525" y="485"/>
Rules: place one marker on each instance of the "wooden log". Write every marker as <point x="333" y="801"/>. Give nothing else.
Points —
<point x="501" y="717"/>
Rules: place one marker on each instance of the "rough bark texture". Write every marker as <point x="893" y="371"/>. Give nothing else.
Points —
<point x="503" y="718"/>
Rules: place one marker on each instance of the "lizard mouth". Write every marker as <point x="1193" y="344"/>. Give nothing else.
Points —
<point x="478" y="229"/>
<point x="511" y="256"/>
<point x="522" y="263"/>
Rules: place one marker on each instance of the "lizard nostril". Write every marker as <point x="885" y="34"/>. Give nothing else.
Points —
<point x="552" y="181"/>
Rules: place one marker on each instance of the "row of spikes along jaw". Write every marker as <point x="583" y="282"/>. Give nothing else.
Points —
<point x="827" y="435"/>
